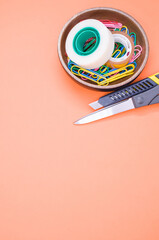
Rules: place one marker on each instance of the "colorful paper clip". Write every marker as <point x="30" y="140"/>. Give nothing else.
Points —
<point x="89" y="44"/>
<point x="87" y="74"/>
<point x="124" y="29"/>
<point x="137" y="52"/>
<point x="117" y="74"/>
<point x="119" y="50"/>
<point x="133" y="36"/>
<point x="111" y="24"/>
<point x="116" y="53"/>
<point x="103" y="79"/>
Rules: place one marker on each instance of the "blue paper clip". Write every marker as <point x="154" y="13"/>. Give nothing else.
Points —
<point x="124" y="28"/>
<point x="70" y="63"/>
<point x="133" y="36"/>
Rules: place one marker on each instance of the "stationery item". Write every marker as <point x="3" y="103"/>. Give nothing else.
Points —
<point x="127" y="42"/>
<point x="98" y="53"/>
<point x="116" y="53"/>
<point x="137" y="52"/>
<point x="103" y="76"/>
<point x="116" y="74"/>
<point x="111" y="24"/>
<point x="142" y="93"/>
<point x="133" y="36"/>
<point x="108" y="17"/>
<point x="124" y="29"/>
<point x="124" y="53"/>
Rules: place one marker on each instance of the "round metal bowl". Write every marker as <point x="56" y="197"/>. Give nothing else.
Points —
<point x="113" y="15"/>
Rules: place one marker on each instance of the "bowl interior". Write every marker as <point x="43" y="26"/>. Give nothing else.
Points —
<point x="114" y="15"/>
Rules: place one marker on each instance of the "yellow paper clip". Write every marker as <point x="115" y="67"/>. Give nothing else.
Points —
<point x="116" y="53"/>
<point x="103" y="69"/>
<point x="118" y="74"/>
<point x="105" y="79"/>
<point x="87" y="74"/>
<point x="124" y="29"/>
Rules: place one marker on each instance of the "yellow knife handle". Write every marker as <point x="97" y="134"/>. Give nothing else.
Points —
<point x="155" y="78"/>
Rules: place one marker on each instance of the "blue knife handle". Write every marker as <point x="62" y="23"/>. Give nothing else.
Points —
<point x="127" y="92"/>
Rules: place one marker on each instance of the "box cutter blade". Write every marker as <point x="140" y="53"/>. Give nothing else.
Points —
<point x="142" y="93"/>
<point x="107" y="111"/>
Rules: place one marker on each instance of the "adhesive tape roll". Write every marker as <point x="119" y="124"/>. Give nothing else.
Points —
<point x="127" y="42"/>
<point x="96" y="55"/>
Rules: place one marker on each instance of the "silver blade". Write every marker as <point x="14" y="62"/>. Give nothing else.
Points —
<point x="107" y="111"/>
<point x="95" y="105"/>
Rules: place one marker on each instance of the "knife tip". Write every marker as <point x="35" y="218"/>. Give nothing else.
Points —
<point x="79" y="122"/>
<point x="76" y="122"/>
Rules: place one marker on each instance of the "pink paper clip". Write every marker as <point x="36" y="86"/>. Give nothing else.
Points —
<point x="137" y="50"/>
<point x="111" y="24"/>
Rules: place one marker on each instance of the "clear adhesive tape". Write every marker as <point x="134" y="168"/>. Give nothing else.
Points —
<point x="96" y="55"/>
<point x="127" y="42"/>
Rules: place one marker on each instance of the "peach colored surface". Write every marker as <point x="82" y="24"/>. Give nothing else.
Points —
<point x="64" y="182"/>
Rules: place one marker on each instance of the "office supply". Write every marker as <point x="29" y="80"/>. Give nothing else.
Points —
<point x="112" y="15"/>
<point x="137" y="52"/>
<point x="127" y="42"/>
<point x="142" y="93"/>
<point x="99" y="77"/>
<point x="98" y="53"/>
<point x="111" y="24"/>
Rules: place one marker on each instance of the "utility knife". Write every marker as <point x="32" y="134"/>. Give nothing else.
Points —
<point x="142" y="93"/>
